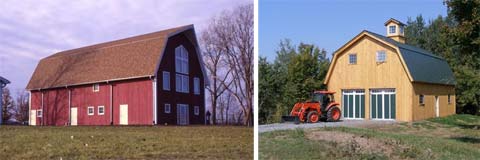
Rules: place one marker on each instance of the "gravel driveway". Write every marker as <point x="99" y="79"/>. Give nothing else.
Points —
<point x="342" y="123"/>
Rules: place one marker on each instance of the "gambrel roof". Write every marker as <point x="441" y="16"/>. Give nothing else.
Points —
<point x="129" y="58"/>
<point x="420" y="65"/>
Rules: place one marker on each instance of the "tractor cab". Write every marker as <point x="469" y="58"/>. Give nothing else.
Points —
<point x="323" y="98"/>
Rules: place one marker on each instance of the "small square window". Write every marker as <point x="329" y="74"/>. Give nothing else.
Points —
<point x="96" y="87"/>
<point x="392" y="29"/>
<point x="196" y="110"/>
<point x="352" y="58"/>
<point x="381" y="56"/>
<point x="90" y="111"/>
<point x="101" y="110"/>
<point x="39" y="113"/>
<point x="421" y="99"/>
<point x="167" y="108"/>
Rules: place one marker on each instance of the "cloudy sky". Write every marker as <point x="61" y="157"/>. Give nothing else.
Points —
<point x="31" y="29"/>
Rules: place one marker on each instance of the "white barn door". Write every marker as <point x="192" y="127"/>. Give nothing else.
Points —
<point x="33" y="117"/>
<point x="73" y="116"/>
<point x="124" y="114"/>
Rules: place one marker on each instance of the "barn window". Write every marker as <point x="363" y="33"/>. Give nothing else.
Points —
<point x="421" y="99"/>
<point x="101" y="110"/>
<point x="392" y="29"/>
<point x="449" y="100"/>
<point x="196" y="110"/>
<point x="352" y="58"/>
<point x="196" y="85"/>
<point x="90" y="111"/>
<point x="381" y="56"/>
<point x="181" y="83"/>
<point x="96" y="87"/>
<point x="39" y="113"/>
<point x="181" y="60"/>
<point x="166" y="80"/>
<point x="167" y="108"/>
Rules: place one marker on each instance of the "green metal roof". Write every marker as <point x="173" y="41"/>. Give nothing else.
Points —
<point x="423" y="65"/>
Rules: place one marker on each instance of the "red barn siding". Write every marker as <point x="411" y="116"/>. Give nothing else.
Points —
<point x="83" y="97"/>
<point x="36" y="104"/>
<point x="172" y="97"/>
<point x="57" y="111"/>
<point x="138" y="95"/>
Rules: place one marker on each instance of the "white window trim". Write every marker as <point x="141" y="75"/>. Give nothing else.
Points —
<point x="182" y="86"/>
<point x="167" y="105"/>
<point x="349" y="59"/>
<point x="390" y="29"/>
<point x="196" y="85"/>
<point x="98" y="87"/>
<point x="166" y="84"/>
<point x="41" y="113"/>
<point x="379" y="53"/>
<point x="98" y="110"/>
<point x="88" y="110"/>
<point x="196" y="110"/>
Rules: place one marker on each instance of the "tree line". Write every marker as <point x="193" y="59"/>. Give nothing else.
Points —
<point x="15" y="109"/>
<point x="297" y="71"/>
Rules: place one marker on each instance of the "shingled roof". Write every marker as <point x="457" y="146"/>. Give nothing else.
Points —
<point x="422" y="65"/>
<point x="128" y="58"/>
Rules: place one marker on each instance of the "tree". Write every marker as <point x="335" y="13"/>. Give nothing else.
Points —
<point x="8" y="105"/>
<point x="229" y="42"/>
<point x="214" y="57"/>
<point x="21" y="110"/>
<point x="295" y="73"/>
<point x="466" y="43"/>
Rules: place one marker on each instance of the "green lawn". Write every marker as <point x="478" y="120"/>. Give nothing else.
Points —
<point x="106" y="142"/>
<point x="453" y="137"/>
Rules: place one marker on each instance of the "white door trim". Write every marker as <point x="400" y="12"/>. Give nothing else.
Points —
<point x="383" y="93"/>
<point x="33" y="117"/>
<point x="353" y="92"/>
<point x="437" y="106"/>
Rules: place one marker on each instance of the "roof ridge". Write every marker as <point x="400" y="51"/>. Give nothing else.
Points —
<point x="401" y="45"/>
<point x="105" y="45"/>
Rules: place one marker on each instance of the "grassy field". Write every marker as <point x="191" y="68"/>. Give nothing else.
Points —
<point x="164" y="142"/>
<point x="453" y="137"/>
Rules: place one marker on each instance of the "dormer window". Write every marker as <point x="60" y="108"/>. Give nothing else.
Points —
<point x="401" y="29"/>
<point x="392" y="29"/>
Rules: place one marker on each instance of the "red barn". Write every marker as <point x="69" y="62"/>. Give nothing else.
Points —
<point x="156" y="78"/>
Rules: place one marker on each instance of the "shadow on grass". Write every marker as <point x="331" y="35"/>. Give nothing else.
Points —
<point x="467" y="139"/>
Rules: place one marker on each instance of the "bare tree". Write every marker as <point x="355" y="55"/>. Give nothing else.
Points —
<point x="228" y="44"/>
<point x="8" y="105"/>
<point x="214" y="55"/>
<point x="240" y="59"/>
<point x="21" y="110"/>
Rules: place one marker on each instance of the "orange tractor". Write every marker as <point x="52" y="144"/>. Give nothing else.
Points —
<point x="322" y="106"/>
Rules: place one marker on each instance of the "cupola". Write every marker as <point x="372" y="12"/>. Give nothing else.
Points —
<point x="395" y="30"/>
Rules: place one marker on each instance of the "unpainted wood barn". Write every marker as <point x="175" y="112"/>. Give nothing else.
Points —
<point x="380" y="77"/>
<point x="156" y="78"/>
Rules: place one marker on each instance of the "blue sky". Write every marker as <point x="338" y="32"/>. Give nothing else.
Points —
<point x="31" y="29"/>
<point x="330" y="24"/>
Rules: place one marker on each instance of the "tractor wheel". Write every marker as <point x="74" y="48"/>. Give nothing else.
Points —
<point x="333" y="114"/>
<point x="313" y="117"/>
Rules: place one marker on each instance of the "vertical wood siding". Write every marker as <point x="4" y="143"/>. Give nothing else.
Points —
<point x="172" y="97"/>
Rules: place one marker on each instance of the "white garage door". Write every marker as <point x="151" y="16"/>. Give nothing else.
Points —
<point x="382" y="103"/>
<point x="353" y="104"/>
